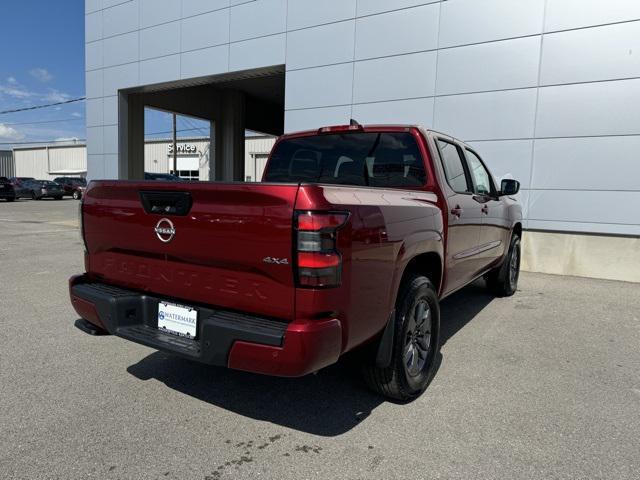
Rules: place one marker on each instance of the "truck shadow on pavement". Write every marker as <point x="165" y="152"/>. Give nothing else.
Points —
<point x="328" y="404"/>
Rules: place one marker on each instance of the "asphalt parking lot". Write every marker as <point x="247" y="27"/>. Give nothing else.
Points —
<point x="545" y="384"/>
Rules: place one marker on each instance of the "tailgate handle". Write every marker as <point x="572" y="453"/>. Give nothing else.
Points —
<point x="166" y="203"/>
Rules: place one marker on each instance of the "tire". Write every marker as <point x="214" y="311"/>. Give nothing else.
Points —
<point x="76" y="195"/>
<point x="33" y="196"/>
<point x="412" y="366"/>
<point x="503" y="281"/>
<point x="10" y="199"/>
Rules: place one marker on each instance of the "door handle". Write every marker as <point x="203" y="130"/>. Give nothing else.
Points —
<point x="456" y="211"/>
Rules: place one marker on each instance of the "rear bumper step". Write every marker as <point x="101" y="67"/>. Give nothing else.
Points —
<point x="224" y="338"/>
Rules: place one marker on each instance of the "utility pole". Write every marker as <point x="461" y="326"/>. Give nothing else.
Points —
<point x="175" y="148"/>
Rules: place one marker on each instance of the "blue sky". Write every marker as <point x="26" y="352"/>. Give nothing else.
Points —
<point x="41" y="62"/>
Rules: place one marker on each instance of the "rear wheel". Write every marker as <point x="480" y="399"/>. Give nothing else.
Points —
<point x="503" y="281"/>
<point x="415" y="344"/>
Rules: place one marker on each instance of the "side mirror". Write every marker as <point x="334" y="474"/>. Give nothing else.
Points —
<point x="509" y="187"/>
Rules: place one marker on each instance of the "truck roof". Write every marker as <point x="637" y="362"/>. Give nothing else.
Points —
<point x="354" y="127"/>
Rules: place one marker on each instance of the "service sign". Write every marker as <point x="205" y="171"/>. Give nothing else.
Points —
<point x="183" y="149"/>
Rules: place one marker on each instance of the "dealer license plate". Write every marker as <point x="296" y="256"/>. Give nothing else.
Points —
<point x="177" y="319"/>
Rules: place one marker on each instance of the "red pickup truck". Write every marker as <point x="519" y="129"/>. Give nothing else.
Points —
<point x="349" y="242"/>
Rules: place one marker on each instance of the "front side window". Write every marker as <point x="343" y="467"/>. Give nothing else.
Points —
<point x="453" y="164"/>
<point x="366" y="159"/>
<point x="481" y="177"/>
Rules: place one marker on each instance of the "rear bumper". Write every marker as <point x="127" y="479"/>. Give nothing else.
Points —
<point x="224" y="338"/>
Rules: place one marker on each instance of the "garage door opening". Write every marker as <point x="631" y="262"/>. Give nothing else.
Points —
<point x="221" y="108"/>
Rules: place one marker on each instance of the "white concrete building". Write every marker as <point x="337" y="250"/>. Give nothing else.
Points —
<point x="546" y="90"/>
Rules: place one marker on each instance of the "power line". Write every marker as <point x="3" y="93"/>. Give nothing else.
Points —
<point x="59" y="120"/>
<point x="35" y="107"/>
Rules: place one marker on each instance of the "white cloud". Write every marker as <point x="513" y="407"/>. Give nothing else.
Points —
<point x="12" y="80"/>
<point x="9" y="133"/>
<point x="41" y="74"/>
<point x="76" y="114"/>
<point x="55" y="96"/>
<point x="16" y="91"/>
<point x="67" y="139"/>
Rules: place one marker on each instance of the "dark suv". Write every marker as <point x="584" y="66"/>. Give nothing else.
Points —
<point x="6" y="190"/>
<point x="39" y="189"/>
<point x="72" y="186"/>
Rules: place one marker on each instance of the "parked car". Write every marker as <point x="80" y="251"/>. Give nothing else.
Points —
<point x="72" y="186"/>
<point x="6" y="190"/>
<point x="39" y="189"/>
<point x="19" y="186"/>
<point x="350" y="242"/>
<point x="162" y="177"/>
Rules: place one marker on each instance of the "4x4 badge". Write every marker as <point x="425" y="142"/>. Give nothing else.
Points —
<point x="276" y="261"/>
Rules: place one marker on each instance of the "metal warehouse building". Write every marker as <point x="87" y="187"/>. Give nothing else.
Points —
<point x="50" y="161"/>
<point x="546" y="90"/>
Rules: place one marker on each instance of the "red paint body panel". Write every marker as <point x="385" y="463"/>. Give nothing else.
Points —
<point x="235" y="251"/>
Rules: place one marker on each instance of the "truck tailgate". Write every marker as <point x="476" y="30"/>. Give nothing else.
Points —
<point x="217" y="250"/>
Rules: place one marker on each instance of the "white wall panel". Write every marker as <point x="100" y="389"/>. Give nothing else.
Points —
<point x="155" y="12"/>
<point x="322" y="45"/>
<point x="95" y="140"/>
<point x="94" y="83"/>
<point x="590" y="54"/>
<point x="319" y="87"/>
<point x="585" y="207"/>
<point x="205" y="30"/>
<point x="159" y="41"/>
<point x="93" y="27"/>
<point x="258" y="52"/>
<point x="401" y="31"/>
<point x="473" y="21"/>
<point x="158" y="70"/>
<point x="110" y="139"/>
<point x="307" y="13"/>
<point x="121" y="49"/>
<point x="122" y="76"/>
<point x="296" y="120"/>
<point x="405" y="76"/>
<point x="606" y="108"/>
<point x="604" y="228"/>
<point x="122" y="18"/>
<point x="110" y="110"/>
<point x="489" y="66"/>
<point x="93" y="55"/>
<point x="94" y="112"/>
<point x="207" y="61"/>
<point x="110" y="162"/>
<point x="596" y="163"/>
<point x="507" y="159"/>
<point x="370" y="7"/>
<point x="92" y="5"/>
<point x="565" y="14"/>
<point x="487" y="116"/>
<point x="257" y="19"/>
<point x="95" y="167"/>
<point x="417" y="111"/>
<point x="196" y="7"/>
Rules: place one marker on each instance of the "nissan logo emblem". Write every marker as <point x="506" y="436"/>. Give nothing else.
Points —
<point x="165" y="231"/>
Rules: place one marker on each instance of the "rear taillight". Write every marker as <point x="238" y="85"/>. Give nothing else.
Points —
<point x="81" y="223"/>
<point x="318" y="261"/>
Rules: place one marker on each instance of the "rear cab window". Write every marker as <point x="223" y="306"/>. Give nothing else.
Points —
<point x="454" y="166"/>
<point x="375" y="159"/>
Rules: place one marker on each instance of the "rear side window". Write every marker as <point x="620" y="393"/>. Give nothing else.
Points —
<point x="481" y="177"/>
<point x="366" y="159"/>
<point x="454" y="169"/>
